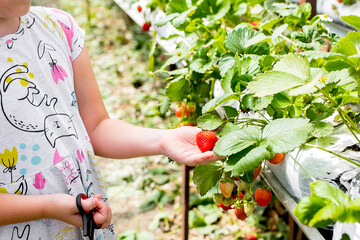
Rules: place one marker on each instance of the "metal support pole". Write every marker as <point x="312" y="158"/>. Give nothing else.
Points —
<point x="185" y="202"/>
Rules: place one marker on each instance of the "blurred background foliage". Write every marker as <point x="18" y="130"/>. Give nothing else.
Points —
<point x="144" y="193"/>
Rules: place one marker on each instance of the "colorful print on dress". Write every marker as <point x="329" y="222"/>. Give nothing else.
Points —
<point x="18" y="234"/>
<point x="57" y="71"/>
<point x="17" y="91"/>
<point x="68" y="233"/>
<point x="69" y="172"/>
<point x="26" y="23"/>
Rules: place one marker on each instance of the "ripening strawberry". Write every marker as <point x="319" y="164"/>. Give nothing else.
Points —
<point x="240" y="213"/>
<point x="238" y="195"/>
<point x="218" y="197"/>
<point x="249" y="208"/>
<point x="139" y="8"/>
<point x="257" y="171"/>
<point x="223" y="207"/>
<point x="227" y="202"/>
<point x="146" y="26"/>
<point x="254" y="23"/>
<point x="262" y="197"/>
<point x="251" y="237"/>
<point x="277" y="158"/>
<point x="206" y="140"/>
<point x="226" y="188"/>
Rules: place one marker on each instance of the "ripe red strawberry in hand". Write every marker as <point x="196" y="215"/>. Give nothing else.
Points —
<point x="262" y="197"/>
<point x="206" y="140"/>
<point x="277" y="158"/>
<point x="146" y="26"/>
<point x="226" y="188"/>
<point x="240" y="213"/>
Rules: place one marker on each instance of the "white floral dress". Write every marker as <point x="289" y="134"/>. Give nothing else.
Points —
<point x="44" y="146"/>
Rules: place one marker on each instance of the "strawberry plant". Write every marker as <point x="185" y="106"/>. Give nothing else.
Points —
<point x="278" y="90"/>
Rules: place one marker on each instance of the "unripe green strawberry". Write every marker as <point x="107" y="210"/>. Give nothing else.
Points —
<point x="227" y="201"/>
<point x="262" y="197"/>
<point x="206" y="140"/>
<point x="249" y="208"/>
<point x="226" y="187"/>
<point x="218" y="197"/>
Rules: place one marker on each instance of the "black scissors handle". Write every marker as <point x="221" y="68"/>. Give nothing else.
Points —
<point x="89" y="224"/>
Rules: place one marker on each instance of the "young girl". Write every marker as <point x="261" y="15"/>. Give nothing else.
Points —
<point x="53" y="122"/>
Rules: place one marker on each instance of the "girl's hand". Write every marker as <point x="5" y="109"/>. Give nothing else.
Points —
<point x="180" y="145"/>
<point x="102" y="212"/>
<point x="63" y="207"/>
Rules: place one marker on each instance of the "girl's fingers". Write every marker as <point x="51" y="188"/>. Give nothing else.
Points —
<point x="89" y="203"/>
<point x="102" y="215"/>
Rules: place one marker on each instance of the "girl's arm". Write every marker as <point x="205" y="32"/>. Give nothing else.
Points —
<point x="114" y="138"/>
<point x="17" y="208"/>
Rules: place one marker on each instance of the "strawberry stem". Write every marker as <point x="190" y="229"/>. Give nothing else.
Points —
<point x="334" y="153"/>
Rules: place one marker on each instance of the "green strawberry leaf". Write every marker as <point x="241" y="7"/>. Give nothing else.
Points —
<point x="322" y="129"/>
<point x="278" y="31"/>
<point x="215" y="102"/>
<point x="327" y="204"/>
<point x="206" y="176"/>
<point x="294" y="64"/>
<point x="269" y="24"/>
<point x="213" y="9"/>
<point x="308" y="206"/>
<point x="326" y="215"/>
<point x="345" y="46"/>
<point x="291" y="72"/>
<point x="209" y="121"/>
<point x="354" y="37"/>
<point x="319" y="111"/>
<point x="230" y="111"/>
<point x="281" y="100"/>
<point x="237" y="141"/>
<point x="352" y="20"/>
<point x="284" y="135"/>
<point x="228" y="128"/>
<point x="273" y="82"/>
<point x="342" y="77"/>
<point x="322" y="55"/>
<point x="250" y="161"/>
<point x="249" y="65"/>
<point x="226" y="62"/>
<point x="164" y="106"/>
<point x="312" y="85"/>
<point x="255" y="103"/>
<point x="177" y="89"/>
<point x="228" y="78"/>
<point x="262" y="48"/>
<point x="238" y="38"/>
<point x="176" y="6"/>
<point x="164" y="20"/>
<point x="201" y="61"/>
<point x="180" y="19"/>
<point x="325" y="190"/>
